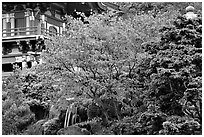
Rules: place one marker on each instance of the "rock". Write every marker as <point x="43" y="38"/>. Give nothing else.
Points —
<point x="40" y="109"/>
<point x="53" y="112"/>
<point x="52" y="126"/>
<point x="73" y="130"/>
<point x="94" y="111"/>
<point x="104" y="131"/>
<point x="36" y="129"/>
<point x="82" y="112"/>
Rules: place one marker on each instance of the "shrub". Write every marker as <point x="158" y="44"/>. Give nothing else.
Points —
<point x="176" y="125"/>
<point x="35" y="129"/>
<point x="16" y="119"/>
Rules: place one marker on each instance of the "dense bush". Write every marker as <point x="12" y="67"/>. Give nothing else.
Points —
<point x="16" y="114"/>
<point x="176" y="125"/>
<point x="175" y="64"/>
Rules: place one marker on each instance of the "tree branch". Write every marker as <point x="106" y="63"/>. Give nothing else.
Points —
<point x="64" y="65"/>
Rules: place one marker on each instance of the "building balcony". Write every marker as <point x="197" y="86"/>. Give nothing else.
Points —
<point x="27" y="33"/>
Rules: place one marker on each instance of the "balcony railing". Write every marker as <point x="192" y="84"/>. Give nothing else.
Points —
<point x="26" y="31"/>
<point x="20" y="31"/>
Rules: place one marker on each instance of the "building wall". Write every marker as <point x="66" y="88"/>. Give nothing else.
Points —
<point x="24" y="29"/>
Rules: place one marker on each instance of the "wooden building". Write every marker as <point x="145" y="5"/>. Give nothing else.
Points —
<point x="25" y="26"/>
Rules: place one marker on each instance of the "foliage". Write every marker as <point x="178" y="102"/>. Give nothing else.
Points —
<point x="16" y="114"/>
<point x="132" y="74"/>
<point x="52" y="126"/>
<point x="40" y="109"/>
<point x="157" y="7"/>
<point x="176" y="125"/>
<point x="97" y="60"/>
<point x="175" y="63"/>
<point x="37" y="87"/>
<point x="35" y="129"/>
<point x="16" y="119"/>
<point x="73" y="130"/>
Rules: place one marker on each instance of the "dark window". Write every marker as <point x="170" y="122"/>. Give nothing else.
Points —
<point x="8" y="27"/>
<point x="7" y="67"/>
<point x="52" y="31"/>
<point x="20" y="23"/>
<point x="29" y="64"/>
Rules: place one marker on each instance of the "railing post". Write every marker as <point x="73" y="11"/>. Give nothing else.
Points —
<point x="24" y="63"/>
<point x="12" y="17"/>
<point x="4" y="22"/>
<point x="63" y="28"/>
<point x="18" y="31"/>
<point x="38" y="29"/>
<point x="42" y="24"/>
<point x="27" y="22"/>
<point x="43" y="30"/>
<point x="32" y="19"/>
<point x="4" y="27"/>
